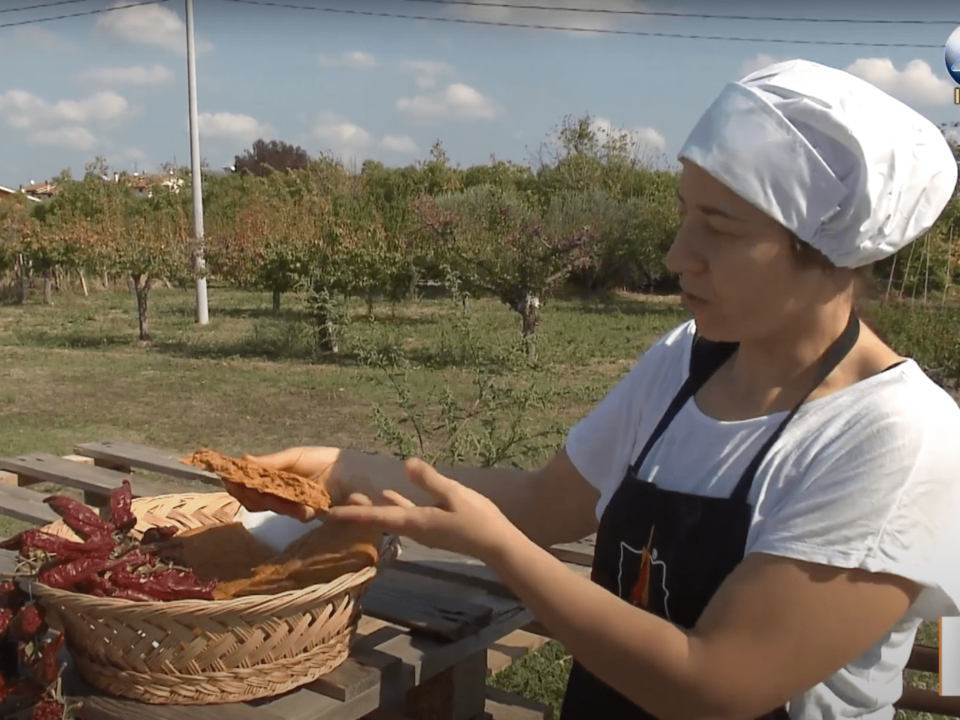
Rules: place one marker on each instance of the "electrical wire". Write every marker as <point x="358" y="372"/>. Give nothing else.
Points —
<point x="44" y="5"/>
<point x="80" y="14"/>
<point x="652" y="13"/>
<point x="602" y="31"/>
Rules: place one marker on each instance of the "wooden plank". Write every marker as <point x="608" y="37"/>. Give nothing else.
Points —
<point x="348" y="681"/>
<point x="131" y="455"/>
<point x="427" y="656"/>
<point x="26" y="505"/>
<point x="576" y="553"/>
<point x="463" y="570"/>
<point x="394" y="596"/>
<point x="924" y="658"/>
<point x="511" y="648"/>
<point x="92" y="480"/>
<point x="7" y="478"/>
<point x="312" y="702"/>
<point x="502" y="705"/>
<point x="928" y="701"/>
<point x="8" y="561"/>
<point x="457" y="693"/>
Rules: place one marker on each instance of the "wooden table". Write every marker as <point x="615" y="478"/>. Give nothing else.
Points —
<point x="422" y="641"/>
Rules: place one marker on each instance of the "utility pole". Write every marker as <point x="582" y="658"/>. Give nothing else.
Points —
<point x="199" y="265"/>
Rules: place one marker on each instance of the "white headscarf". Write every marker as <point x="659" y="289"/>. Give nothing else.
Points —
<point x="850" y="170"/>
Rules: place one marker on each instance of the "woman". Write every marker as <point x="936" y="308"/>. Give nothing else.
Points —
<point x="775" y="491"/>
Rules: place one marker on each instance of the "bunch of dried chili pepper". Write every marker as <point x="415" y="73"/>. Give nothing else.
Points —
<point x="30" y="668"/>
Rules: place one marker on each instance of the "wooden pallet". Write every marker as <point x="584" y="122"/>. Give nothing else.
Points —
<point x="422" y="643"/>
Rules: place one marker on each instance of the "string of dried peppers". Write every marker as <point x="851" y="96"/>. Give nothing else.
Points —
<point x="108" y="561"/>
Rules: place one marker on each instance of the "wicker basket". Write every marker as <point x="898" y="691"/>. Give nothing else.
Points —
<point x="196" y="652"/>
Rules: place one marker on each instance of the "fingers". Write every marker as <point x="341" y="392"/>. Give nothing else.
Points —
<point x="283" y="460"/>
<point x="393" y="519"/>
<point x="359" y="499"/>
<point x="425" y="476"/>
<point x="397" y="499"/>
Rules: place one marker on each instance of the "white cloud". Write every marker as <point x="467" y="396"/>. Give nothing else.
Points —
<point x="426" y="72"/>
<point x="457" y="101"/>
<point x="149" y="25"/>
<point x="232" y="126"/>
<point x="136" y="75"/>
<point x="638" y="138"/>
<point x="71" y="137"/>
<point x="339" y="134"/>
<point x="399" y="144"/>
<point x="758" y="63"/>
<point x="22" y="109"/>
<point x="916" y="83"/>
<point x="65" y="123"/>
<point x="357" y="60"/>
<point x="556" y="16"/>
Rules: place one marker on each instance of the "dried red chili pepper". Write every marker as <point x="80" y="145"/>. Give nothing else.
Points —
<point x="138" y="558"/>
<point x="68" y="574"/>
<point x="78" y="517"/>
<point x="121" y="510"/>
<point x="96" y="585"/>
<point x="46" y="664"/>
<point x="6" y="617"/>
<point x="29" y="622"/>
<point x="12" y="543"/>
<point x="48" y="710"/>
<point x="158" y="534"/>
<point x="131" y="594"/>
<point x="100" y="546"/>
<point x="11" y="596"/>
<point x="173" y="584"/>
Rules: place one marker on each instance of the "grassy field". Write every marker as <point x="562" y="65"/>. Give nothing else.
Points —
<point x="251" y="381"/>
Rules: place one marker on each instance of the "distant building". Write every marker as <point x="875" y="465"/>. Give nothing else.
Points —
<point x="6" y="192"/>
<point x="40" y="190"/>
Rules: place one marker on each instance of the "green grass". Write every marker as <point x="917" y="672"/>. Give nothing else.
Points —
<point x="251" y="381"/>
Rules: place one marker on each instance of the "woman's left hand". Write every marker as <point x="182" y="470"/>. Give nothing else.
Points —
<point x="462" y="521"/>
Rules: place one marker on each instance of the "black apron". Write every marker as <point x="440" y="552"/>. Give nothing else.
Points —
<point x="668" y="551"/>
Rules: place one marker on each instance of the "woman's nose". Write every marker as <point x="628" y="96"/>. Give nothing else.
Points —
<point x="682" y="257"/>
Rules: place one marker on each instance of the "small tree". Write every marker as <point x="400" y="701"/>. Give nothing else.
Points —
<point x="266" y="157"/>
<point x="496" y="242"/>
<point x="150" y="241"/>
<point x="18" y="230"/>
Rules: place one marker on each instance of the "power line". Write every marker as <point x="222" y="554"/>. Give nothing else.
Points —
<point x="602" y="31"/>
<point x="651" y="13"/>
<point x="81" y="14"/>
<point x="44" y="5"/>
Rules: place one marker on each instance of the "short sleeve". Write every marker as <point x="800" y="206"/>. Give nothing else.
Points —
<point x="882" y="496"/>
<point x="601" y="446"/>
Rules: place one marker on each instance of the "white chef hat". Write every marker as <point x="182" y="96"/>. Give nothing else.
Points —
<point x="849" y="169"/>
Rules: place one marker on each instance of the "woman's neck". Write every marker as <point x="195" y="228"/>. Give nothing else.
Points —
<point x="783" y="366"/>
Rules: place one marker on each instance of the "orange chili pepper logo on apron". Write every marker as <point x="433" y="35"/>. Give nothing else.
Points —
<point x="651" y="572"/>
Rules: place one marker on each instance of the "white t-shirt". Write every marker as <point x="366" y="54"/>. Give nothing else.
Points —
<point x="867" y="477"/>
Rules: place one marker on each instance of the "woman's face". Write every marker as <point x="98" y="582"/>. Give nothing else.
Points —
<point x="737" y="266"/>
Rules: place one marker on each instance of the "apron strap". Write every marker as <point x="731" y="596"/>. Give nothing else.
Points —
<point x="828" y="362"/>
<point x="706" y="357"/>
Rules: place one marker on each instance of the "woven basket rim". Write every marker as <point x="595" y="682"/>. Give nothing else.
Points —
<point x="321" y="592"/>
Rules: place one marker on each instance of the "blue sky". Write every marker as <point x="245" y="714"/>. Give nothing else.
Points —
<point x="114" y="84"/>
